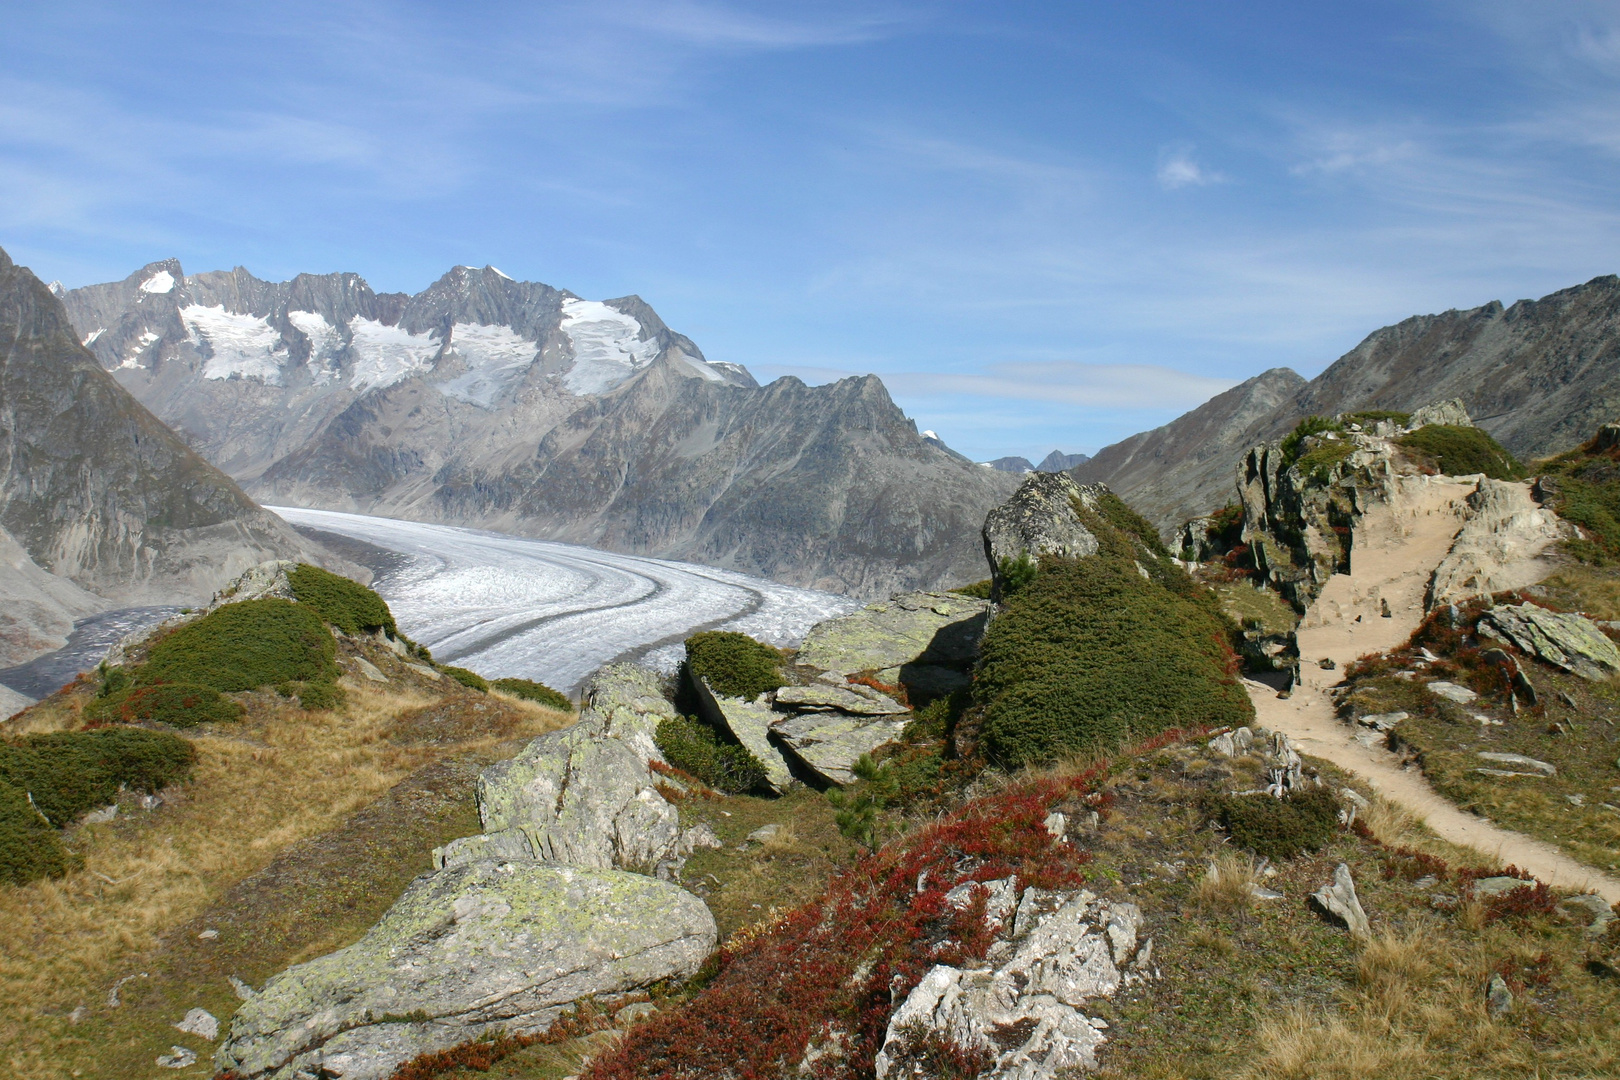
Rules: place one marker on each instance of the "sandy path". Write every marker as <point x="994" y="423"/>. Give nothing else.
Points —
<point x="1396" y="548"/>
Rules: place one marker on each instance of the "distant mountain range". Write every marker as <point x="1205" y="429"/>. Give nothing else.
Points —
<point x="1056" y="461"/>
<point x="517" y="406"/>
<point x="100" y="503"/>
<point x="1540" y="376"/>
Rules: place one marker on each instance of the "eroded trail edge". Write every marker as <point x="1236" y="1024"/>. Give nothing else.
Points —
<point x="1397" y="546"/>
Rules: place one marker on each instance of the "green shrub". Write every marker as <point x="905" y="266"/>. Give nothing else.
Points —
<point x="1587" y="483"/>
<point x="1318" y="462"/>
<point x="1461" y="451"/>
<point x="1016" y="573"/>
<point x="529" y="690"/>
<point x="979" y="590"/>
<point x="180" y="704"/>
<point x="1312" y="425"/>
<point x="1279" y="828"/>
<point x="69" y="772"/>
<point x="243" y="647"/>
<point x="691" y="746"/>
<point x="29" y="848"/>
<point x="1369" y="417"/>
<point x="314" y="695"/>
<point x="734" y="664"/>
<point x="347" y="605"/>
<point x="470" y="679"/>
<point x="1093" y="653"/>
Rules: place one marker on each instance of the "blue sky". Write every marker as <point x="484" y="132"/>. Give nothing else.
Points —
<point x="1045" y="225"/>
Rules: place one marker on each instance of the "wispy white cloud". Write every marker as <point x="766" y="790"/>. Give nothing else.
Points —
<point x="724" y="26"/>
<point x="1178" y="169"/>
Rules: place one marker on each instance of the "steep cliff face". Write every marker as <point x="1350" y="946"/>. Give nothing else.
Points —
<point x="93" y="487"/>
<point x="1538" y="376"/>
<point x="512" y="405"/>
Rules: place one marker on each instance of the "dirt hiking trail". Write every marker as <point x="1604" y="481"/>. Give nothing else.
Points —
<point x="1397" y="545"/>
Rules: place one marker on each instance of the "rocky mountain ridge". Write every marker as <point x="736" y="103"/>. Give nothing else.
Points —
<point x="512" y="405"/>
<point x="100" y="503"/>
<point x="1538" y="375"/>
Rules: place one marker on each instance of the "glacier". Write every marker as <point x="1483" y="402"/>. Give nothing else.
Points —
<point x="509" y="606"/>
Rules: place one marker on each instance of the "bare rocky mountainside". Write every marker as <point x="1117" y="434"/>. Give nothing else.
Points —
<point x="1540" y="376"/>
<point x="512" y="405"/>
<point x="100" y="503"/>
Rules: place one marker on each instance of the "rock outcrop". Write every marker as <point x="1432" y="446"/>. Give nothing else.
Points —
<point x="830" y="743"/>
<point x="1024" y="1008"/>
<point x="1500" y="544"/>
<point x="1040" y="519"/>
<point x="1568" y="641"/>
<point x="484" y="946"/>
<point x="924" y="641"/>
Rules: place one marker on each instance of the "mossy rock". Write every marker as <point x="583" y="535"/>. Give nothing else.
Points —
<point x="347" y="605"/>
<point x="243" y="647"/>
<point x="733" y="664"/>
<point x="537" y="692"/>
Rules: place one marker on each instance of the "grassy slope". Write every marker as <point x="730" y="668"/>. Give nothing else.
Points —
<point x="290" y="840"/>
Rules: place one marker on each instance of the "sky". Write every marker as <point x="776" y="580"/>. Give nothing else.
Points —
<point x="1045" y="225"/>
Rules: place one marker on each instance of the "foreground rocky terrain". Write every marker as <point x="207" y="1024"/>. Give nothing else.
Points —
<point x="100" y="503"/>
<point x="1540" y="374"/>
<point x="516" y="406"/>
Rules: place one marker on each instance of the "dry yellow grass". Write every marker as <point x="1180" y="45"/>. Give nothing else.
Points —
<point x="280" y="776"/>
<point x="1228" y="883"/>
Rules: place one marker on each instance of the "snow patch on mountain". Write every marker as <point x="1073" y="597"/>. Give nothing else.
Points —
<point x="607" y="346"/>
<point x="160" y="282"/>
<point x="496" y="357"/>
<point x="242" y="345"/>
<point x="91" y="337"/>
<point x="325" y="342"/>
<point x="383" y="355"/>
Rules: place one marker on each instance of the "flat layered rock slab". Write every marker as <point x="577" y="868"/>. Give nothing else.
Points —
<point x="855" y="699"/>
<point x="830" y="743"/>
<point x="918" y="627"/>
<point x="750" y="724"/>
<point x="1566" y="640"/>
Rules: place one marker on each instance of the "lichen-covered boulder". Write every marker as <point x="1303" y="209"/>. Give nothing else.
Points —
<point x="585" y="798"/>
<point x="1563" y="639"/>
<point x="1452" y="413"/>
<point x="630" y="701"/>
<point x="829" y="744"/>
<point x="1026" y="1012"/>
<point x="481" y="946"/>
<point x="894" y="636"/>
<point x="1040" y="519"/>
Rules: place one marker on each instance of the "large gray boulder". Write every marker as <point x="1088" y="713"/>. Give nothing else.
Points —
<point x="749" y="722"/>
<point x="1451" y="412"/>
<point x="914" y="638"/>
<point x="1563" y="639"/>
<point x="854" y="699"/>
<point x="630" y="701"/>
<point x="1040" y="519"/>
<point x="483" y="946"/>
<point x="1026" y="1011"/>
<point x="829" y="744"/>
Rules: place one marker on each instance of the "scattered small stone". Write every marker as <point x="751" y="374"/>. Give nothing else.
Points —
<point x="1498" y="998"/>
<point x="1338" y="898"/>
<point x="1576" y="799"/>
<point x="370" y="670"/>
<point x="763" y="833"/>
<point x="1496" y="886"/>
<point x="1452" y="692"/>
<point x="1056" y="824"/>
<point x="1326" y="663"/>
<point x="200" y="1022"/>
<point x="1260" y="892"/>
<point x="1428" y="881"/>
<point x="181" y="1058"/>
<point x="1383" y="721"/>
<point x="700" y="835"/>
<point x="1595" y="906"/>
<point x="208" y="935"/>
<point x="78" y="1015"/>
<point x="112" y="995"/>
<point x="633" y="1012"/>
<point x="423" y="670"/>
<point x="1564" y="696"/>
<point x="102" y="816"/>
<point x="243" y="990"/>
<point x="1383" y="609"/>
<point x="1488" y="721"/>
<point x="1539" y="767"/>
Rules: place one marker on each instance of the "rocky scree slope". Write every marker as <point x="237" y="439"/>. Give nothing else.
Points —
<point x="1540" y="375"/>
<point x="513" y="405"/>
<point x="95" y="491"/>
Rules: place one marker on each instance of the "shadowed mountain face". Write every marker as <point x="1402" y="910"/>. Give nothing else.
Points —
<point x="96" y="491"/>
<point x="1539" y="376"/>
<point x="515" y="406"/>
